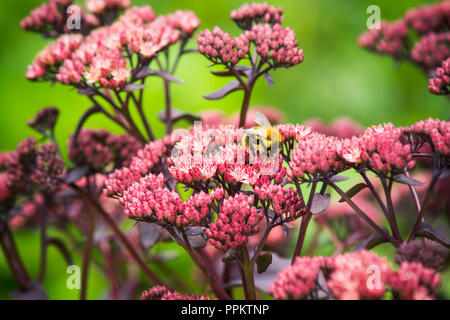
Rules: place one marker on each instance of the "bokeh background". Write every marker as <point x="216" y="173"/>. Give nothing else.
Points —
<point x="337" y="78"/>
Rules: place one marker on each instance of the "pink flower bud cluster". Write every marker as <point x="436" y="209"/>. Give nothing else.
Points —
<point x="351" y="279"/>
<point x="341" y="127"/>
<point x="184" y="21"/>
<point x="100" y="58"/>
<point x="441" y="80"/>
<point x="438" y="132"/>
<point x="383" y="151"/>
<point x="138" y="15"/>
<point x="354" y="276"/>
<point x="99" y="149"/>
<point x="291" y="132"/>
<point x="298" y="280"/>
<point x="157" y="37"/>
<point x="49" y="18"/>
<point x="49" y="167"/>
<point x="163" y="293"/>
<point x="431" y="50"/>
<point x="31" y="166"/>
<point x="220" y="48"/>
<point x="315" y="155"/>
<point x="390" y="39"/>
<point x="285" y="202"/>
<point x="148" y="200"/>
<point x="146" y="160"/>
<point x="250" y="14"/>
<point x="20" y="165"/>
<point x="414" y="282"/>
<point x="429" y="253"/>
<point x="101" y="6"/>
<point x="276" y="44"/>
<point x="429" y="18"/>
<point x="238" y="219"/>
<point x="53" y="56"/>
<point x="421" y="36"/>
<point x="44" y="120"/>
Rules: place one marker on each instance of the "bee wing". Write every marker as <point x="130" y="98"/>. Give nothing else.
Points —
<point x="262" y="120"/>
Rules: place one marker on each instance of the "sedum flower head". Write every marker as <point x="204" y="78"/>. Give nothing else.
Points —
<point x="254" y="13"/>
<point x="414" y="282"/>
<point x="237" y="220"/>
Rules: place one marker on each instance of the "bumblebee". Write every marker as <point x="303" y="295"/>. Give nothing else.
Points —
<point x="262" y="138"/>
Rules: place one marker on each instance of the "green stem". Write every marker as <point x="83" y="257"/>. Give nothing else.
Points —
<point x="247" y="274"/>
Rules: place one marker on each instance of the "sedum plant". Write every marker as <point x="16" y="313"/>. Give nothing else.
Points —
<point x="220" y="192"/>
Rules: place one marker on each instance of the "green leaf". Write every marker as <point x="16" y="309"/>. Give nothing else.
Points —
<point x="354" y="191"/>
<point x="263" y="261"/>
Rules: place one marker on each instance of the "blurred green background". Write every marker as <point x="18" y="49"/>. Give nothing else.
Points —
<point x="337" y="78"/>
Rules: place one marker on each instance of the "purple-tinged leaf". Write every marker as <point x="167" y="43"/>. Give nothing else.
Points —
<point x="320" y="203"/>
<point x="427" y="231"/>
<point x="76" y="174"/>
<point x="354" y="190"/>
<point x="338" y="178"/>
<point x="371" y="241"/>
<point x="87" y="91"/>
<point x="222" y="92"/>
<point x="144" y="72"/>
<point x="149" y="234"/>
<point x="196" y="237"/>
<point x="164" y="256"/>
<point x="402" y="178"/>
<point x="35" y="292"/>
<point x="168" y="76"/>
<point x="178" y="115"/>
<point x="62" y="248"/>
<point x="269" y="79"/>
<point x="263" y="280"/>
<point x="241" y="70"/>
<point x="223" y="73"/>
<point x="263" y="261"/>
<point x="130" y="87"/>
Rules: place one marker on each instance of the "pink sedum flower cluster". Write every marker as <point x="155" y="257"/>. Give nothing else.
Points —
<point x="53" y="55"/>
<point x="99" y="59"/>
<point x="441" y="80"/>
<point x="350" y="277"/>
<point x="383" y="151"/>
<point x="414" y="282"/>
<point x="432" y="50"/>
<point x="429" y="18"/>
<point x="284" y="201"/>
<point x="100" y="6"/>
<point x="429" y="253"/>
<point x="237" y="220"/>
<point x="99" y="149"/>
<point x="298" y="280"/>
<point x="437" y="132"/>
<point x="315" y="155"/>
<point x="220" y="48"/>
<point x="31" y="166"/>
<point x="163" y="293"/>
<point x="421" y="37"/>
<point x="389" y="39"/>
<point x="147" y="160"/>
<point x="254" y="13"/>
<point x="276" y="44"/>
